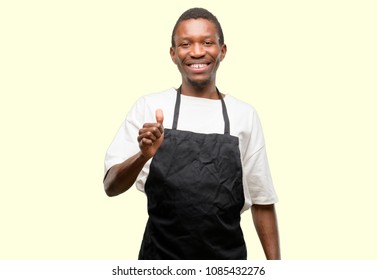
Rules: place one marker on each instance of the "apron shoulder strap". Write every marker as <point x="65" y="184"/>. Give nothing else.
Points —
<point x="176" y="109"/>
<point x="225" y="114"/>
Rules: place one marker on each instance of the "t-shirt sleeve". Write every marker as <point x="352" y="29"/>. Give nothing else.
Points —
<point x="124" y="144"/>
<point x="256" y="169"/>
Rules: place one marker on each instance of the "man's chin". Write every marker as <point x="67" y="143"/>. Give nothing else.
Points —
<point x="199" y="84"/>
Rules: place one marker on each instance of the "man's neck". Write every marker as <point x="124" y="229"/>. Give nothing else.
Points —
<point x="208" y="91"/>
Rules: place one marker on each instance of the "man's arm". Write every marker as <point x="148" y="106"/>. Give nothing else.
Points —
<point x="265" y="222"/>
<point x="121" y="177"/>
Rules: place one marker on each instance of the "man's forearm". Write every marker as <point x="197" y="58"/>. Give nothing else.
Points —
<point x="122" y="176"/>
<point x="265" y="221"/>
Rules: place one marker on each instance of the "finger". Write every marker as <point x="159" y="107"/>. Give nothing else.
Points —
<point x="149" y="125"/>
<point x="145" y="142"/>
<point x="159" y="116"/>
<point x="156" y="128"/>
<point x="150" y="132"/>
<point x="149" y="135"/>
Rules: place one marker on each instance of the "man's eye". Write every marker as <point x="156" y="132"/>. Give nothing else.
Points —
<point x="185" y="45"/>
<point x="208" y="43"/>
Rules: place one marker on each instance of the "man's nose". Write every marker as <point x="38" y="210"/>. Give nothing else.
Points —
<point x="197" y="50"/>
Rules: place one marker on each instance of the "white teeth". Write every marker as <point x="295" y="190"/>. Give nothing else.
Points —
<point x="198" y="66"/>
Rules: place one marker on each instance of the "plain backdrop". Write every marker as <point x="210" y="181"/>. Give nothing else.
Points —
<point x="71" y="70"/>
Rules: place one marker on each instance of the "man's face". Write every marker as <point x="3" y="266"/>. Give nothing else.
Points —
<point x="197" y="51"/>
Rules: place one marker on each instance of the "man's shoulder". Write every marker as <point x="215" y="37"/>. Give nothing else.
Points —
<point x="164" y="100"/>
<point x="235" y="103"/>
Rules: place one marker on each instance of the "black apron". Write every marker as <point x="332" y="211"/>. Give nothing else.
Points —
<point x="195" y="196"/>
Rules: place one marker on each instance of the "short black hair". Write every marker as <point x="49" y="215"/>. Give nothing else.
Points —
<point x="195" y="13"/>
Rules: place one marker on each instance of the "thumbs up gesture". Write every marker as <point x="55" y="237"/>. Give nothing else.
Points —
<point x="151" y="136"/>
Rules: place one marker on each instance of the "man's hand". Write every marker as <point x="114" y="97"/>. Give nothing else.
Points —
<point x="122" y="176"/>
<point x="151" y="136"/>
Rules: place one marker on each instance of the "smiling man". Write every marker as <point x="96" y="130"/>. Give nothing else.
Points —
<point x="197" y="51"/>
<point x="198" y="155"/>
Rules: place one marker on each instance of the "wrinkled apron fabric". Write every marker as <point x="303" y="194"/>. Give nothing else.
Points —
<point x="195" y="196"/>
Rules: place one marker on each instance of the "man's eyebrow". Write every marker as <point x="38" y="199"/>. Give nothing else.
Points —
<point x="209" y="36"/>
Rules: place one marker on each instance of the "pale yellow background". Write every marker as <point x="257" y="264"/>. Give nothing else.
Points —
<point x="70" y="70"/>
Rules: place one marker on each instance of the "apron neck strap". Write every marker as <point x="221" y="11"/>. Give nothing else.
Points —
<point x="224" y="110"/>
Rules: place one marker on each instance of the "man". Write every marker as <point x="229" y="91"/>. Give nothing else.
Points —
<point x="199" y="156"/>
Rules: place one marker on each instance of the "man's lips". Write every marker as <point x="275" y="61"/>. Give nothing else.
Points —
<point x="198" y="67"/>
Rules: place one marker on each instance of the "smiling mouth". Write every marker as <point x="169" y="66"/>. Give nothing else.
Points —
<point x="198" y="65"/>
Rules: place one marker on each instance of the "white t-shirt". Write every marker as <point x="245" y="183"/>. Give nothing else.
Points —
<point x="201" y="115"/>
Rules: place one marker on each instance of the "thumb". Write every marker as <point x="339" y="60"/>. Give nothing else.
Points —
<point x="159" y="116"/>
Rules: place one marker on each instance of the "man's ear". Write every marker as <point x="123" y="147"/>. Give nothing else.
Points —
<point x="172" y="54"/>
<point x="223" y="51"/>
